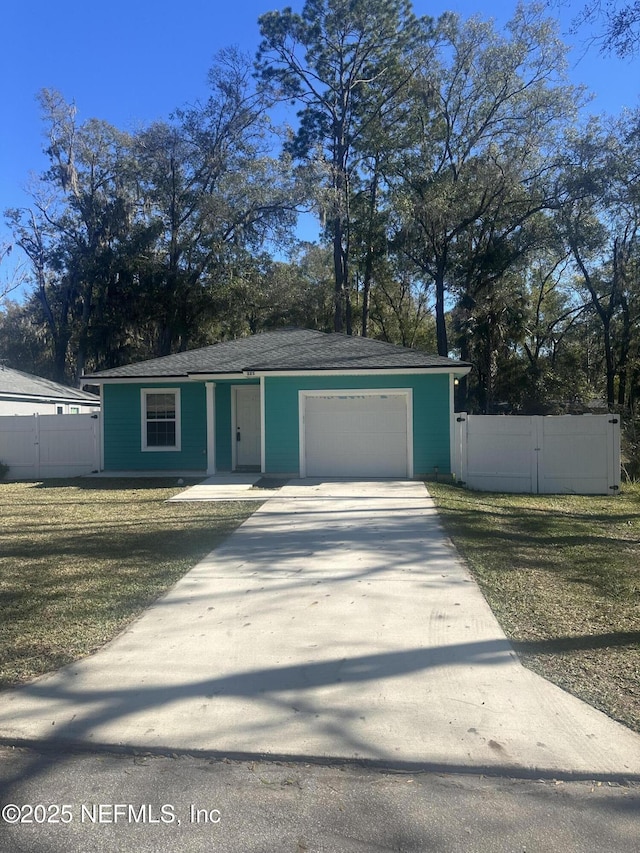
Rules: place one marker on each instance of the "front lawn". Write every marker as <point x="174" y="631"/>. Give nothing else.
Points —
<point x="79" y="559"/>
<point x="562" y="575"/>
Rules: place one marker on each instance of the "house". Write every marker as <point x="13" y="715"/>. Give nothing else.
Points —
<point x="25" y="394"/>
<point x="292" y="402"/>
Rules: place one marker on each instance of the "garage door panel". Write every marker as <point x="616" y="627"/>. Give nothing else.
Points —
<point x="356" y="435"/>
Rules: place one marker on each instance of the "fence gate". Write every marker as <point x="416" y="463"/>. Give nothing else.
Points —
<point x="566" y="454"/>
<point x="37" y="447"/>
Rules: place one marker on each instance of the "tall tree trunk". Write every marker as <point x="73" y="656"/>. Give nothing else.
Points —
<point x="83" y="337"/>
<point x="610" y="363"/>
<point x="366" y="288"/>
<point x="605" y="315"/>
<point x="441" y="328"/>
<point x="462" y="402"/>
<point x="338" y="270"/>
<point x="623" y="357"/>
<point x="368" y="262"/>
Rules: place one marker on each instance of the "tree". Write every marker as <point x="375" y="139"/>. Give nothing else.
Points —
<point x="601" y="225"/>
<point x="483" y="156"/>
<point x="51" y="303"/>
<point x="24" y="343"/>
<point x="269" y="294"/>
<point x="12" y="278"/>
<point x="621" y="22"/>
<point x="132" y="238"/>
<point x="554" y="322"/>
<point x="82" y="211"/>
<point x="213" y="194"/>
<point x="344" y="62"/>
<point x="400" y="310"/>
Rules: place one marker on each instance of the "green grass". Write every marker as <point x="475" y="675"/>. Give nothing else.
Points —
<point x="562" y="575"/>
<point x="79" y="559"/>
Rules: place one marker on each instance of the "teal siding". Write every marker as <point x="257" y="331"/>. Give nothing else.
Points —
<point x="282" y="453"/>
<point x="431" y="424"/>
<point x="123" y="429"/>
<point x="122" y="422"/>
<point x="431" y="417"/>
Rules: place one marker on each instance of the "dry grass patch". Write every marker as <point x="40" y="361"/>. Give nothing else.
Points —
<point x="562" y="574"/>
<point x="79" y="559"/>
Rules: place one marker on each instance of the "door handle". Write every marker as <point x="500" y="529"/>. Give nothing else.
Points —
<point x="238" y="434"/>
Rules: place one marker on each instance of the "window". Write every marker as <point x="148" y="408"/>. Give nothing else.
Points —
<point x="160" y="419"/>
<point x="74" y="410"/>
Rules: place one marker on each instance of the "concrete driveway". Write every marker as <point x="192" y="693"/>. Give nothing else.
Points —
<point x="336" y="622"/>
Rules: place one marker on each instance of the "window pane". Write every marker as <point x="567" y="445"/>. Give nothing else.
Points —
<point x="161" y="434"/>
<point x="161" y="406"/>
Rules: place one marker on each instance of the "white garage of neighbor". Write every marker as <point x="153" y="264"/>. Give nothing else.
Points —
<point x="353" y="433"/>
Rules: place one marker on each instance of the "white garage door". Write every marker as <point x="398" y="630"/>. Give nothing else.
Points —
<point x="355" y="435"/>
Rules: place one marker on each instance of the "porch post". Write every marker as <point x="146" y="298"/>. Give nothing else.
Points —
<point x="101" y="424"/>
<point x="263" y="444"/>
<point x="452" y="423"/>
<point x="211" y="428"/>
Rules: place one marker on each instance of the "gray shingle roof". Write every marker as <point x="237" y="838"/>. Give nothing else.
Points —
<point x="283" y="350"/>
<point x="15" y="382"/>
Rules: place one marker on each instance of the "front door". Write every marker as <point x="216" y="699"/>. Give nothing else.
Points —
<point x="247" y="427"/>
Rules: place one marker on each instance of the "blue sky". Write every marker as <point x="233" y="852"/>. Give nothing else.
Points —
<point x="133" y="62"/>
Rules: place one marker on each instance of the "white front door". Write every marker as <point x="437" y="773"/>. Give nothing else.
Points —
<point x="247" y="426"/>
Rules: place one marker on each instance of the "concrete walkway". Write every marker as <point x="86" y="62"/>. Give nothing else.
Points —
<point x="227" y="487"/>
<point x="220" y="487"/>
<point x="336" y="622"/>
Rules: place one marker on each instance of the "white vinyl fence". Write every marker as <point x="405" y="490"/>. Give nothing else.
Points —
<point x="566" y="454"/>
<point x="36" y="447"/>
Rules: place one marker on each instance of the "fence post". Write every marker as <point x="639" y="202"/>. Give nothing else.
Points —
<point x="613" y="453"/>
<point x="537" y="436"/>
<point x="36" y="446"/>
<point x="461" y="423"/>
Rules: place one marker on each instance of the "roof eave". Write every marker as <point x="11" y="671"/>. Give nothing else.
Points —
<point x="100" y="380"/>
<point x="251" y="373"/>
<point x="458" y="370"/>
<point x="46" y="398"/>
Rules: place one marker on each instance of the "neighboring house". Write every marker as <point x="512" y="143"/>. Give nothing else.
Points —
<point x="25" y="394"/>
<point x="291" y="402"/>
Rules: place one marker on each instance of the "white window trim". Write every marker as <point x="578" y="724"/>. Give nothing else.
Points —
<point x="143" y="420"/>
